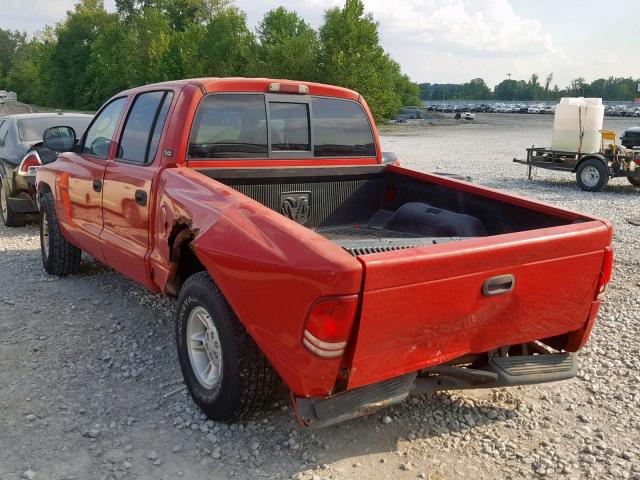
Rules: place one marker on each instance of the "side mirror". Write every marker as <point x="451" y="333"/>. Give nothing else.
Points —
<point x="59" y="138"/>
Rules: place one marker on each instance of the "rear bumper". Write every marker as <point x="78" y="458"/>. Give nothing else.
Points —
<point x="499" y="372"/>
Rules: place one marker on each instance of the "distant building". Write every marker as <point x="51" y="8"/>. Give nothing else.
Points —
<point x="8" y="96"/>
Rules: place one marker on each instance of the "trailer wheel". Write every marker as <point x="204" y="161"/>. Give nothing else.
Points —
<point x="226" y="373"/>
<point x="592" y="175"/>
<point x="635" y="181"/>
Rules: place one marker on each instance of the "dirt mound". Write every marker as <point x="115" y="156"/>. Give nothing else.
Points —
<point x="12" y="107"/>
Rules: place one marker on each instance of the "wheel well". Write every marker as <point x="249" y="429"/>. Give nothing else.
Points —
<point x="42" y="189"/>
<point x="184" y="261"/>
<point x="590" y="157"/>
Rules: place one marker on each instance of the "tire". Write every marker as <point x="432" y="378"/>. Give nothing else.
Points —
<point x="592" y="175"/>
<point x="244" y="379"/>
<point x="635" y="181"/>
<point x="9" y="217"/>
<point x="59" y="257"/>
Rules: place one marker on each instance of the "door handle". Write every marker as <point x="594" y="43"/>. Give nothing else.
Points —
<point x="97" y="185"/>
<point x="141" y="197"/>
<point x="498" y="285"/>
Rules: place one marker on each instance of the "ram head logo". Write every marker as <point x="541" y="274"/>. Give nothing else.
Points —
<point x="295" y="205"/>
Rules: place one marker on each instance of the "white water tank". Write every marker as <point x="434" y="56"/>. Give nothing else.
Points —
<point x="577" y="125"/>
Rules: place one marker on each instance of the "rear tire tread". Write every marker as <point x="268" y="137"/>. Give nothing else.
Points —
<point x="257" y="380"/>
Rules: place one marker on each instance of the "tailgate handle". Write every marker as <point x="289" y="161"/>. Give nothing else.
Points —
<point x="498" y="285"/>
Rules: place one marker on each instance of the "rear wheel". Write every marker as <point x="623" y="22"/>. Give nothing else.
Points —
<point x="635" y="181"/>
<point x="225" y="371"/>
<point x="9" y="217"/>
<point x="59" y="257"/>
<point x="592" y="175"/>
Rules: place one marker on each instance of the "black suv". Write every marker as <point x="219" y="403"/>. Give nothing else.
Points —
<point x="631" y="137"/>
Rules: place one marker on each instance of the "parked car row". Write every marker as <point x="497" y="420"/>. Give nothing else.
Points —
<point x="540" y="108"/>
<point x="621" y="111"/>
<point x="492" y="108"/>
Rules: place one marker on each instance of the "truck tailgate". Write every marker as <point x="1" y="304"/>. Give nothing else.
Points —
<point x="424" y="306"/>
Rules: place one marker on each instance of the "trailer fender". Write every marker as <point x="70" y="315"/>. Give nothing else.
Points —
<point x="587" y="157"/>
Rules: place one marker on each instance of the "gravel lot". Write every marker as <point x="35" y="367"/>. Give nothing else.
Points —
<point x="90" y="386"/>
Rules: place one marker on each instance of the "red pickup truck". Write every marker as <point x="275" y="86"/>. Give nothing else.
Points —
<point x="296" y="252"/>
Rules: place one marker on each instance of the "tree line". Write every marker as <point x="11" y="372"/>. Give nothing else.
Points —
<point x="612" y="88"/>
<point x="92" y="54"/>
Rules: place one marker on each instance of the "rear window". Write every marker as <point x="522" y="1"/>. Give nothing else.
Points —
<point x="230" y="126"/>
<point x="340" y="128"/>
<point x="31" y="129"/>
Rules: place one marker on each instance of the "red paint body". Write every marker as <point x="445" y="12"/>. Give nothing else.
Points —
<point x="418" y="307"/>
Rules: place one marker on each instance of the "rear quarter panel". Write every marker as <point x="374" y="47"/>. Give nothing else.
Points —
<point x="269" y="268"/>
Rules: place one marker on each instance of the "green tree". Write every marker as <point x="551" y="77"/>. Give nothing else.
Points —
<point x="547" y="82"/>
<point x="476" y="89"/>
<point x="534" y="87"/>
<point x="109" y="68"/>
<point x="289" y="47"/>
<point x="182" y="13"/>
<point x="408" y="91"/>
<point x="10" y="43"/>
<point x="187" y="47"/>
<point x="226" y="47"/>
<point x="577" y="87"/>
<point x="69" y="63"/>
<point x="149" y="35"/>
<point x="351" y="56"/>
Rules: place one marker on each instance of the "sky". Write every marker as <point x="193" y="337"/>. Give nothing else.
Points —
<point x="440" y="41"/>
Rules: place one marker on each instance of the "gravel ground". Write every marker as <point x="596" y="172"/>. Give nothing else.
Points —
<point x="90" y="386"/>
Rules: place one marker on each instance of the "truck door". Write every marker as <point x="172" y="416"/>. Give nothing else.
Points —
<point x="127" y="185"/>
<point x="81" y="177"/>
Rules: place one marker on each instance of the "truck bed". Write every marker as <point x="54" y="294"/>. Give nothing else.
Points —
<point x="354" y="207"/>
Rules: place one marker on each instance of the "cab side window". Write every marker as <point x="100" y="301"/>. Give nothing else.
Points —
<point x="100" y="133"/>
<point x="142" y="130"/>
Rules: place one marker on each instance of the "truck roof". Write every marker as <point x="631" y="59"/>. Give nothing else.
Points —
<point x="243" y="84"/>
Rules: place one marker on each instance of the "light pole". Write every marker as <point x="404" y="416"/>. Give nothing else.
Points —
<point x="514" y="88"/>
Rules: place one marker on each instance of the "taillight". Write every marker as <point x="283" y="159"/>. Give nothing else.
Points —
<point x="298" y="88"/>
<point x="328" y="326"/>
<point x="30" y="161"/>
<point x="605" y="274"/>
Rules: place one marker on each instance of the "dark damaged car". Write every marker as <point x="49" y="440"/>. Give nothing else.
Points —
<point x="21" y="153"/>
